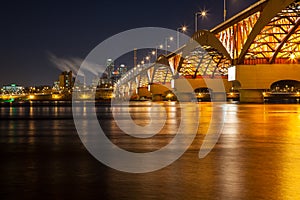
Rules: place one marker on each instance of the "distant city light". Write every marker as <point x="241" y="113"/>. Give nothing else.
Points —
<point x="56" y="96"/>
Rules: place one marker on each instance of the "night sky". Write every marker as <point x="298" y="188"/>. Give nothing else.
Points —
<point x="31" y="30"/>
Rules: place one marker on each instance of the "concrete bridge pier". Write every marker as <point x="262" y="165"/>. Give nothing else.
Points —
<point x="158" y="90"/>
<point x="157" y="97"/>
<point x="218" y="97"/>
<point x="143" y="92"/>
<point x="186" y="97"/>
<point x="251" y="96"/>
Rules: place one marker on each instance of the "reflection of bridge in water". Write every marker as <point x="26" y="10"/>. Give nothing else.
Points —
<point x="260" y="46"/>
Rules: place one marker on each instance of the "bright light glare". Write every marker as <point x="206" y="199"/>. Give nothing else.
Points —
<point x="293" y="56"/>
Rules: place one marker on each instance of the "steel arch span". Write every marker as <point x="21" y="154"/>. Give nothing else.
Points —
<point x="265" y="33"/>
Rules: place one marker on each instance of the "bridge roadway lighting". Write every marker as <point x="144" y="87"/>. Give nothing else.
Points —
<point x="148" y="59"/>
<point x="225" y="11"/>
<point x="203" y="14"/>
<point x="156" y="50"/>
<point x="183" y="29"/>
<point x="166" y="42"/>
<point x="292" y="56"/>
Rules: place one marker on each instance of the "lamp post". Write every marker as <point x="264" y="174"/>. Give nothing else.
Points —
<point x="148" y="59"/>
<point x="166" y="42"/>
<point x="155" y="52"/>
<point x="225" y="11"/>
<point x="183" y="29"/>
<point x="202" y="14"/>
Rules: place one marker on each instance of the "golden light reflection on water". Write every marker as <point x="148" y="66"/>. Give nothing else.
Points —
<point x="262" y="155"/>
<point x="290" y="169"/>
<point x="256" y="157"/>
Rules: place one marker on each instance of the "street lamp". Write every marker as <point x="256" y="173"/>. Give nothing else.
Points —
<point x="156" y="50"/>
<point x="166" y="42"/>
<point x="225" y="11"/>
<point x="203" y="14"/>
<point x="183" y="29"/>
<point x="148" y="59"/>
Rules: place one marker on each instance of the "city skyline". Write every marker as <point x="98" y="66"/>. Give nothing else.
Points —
<point x="32" y="30"/>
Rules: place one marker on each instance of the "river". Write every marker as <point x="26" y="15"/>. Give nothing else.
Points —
<point x="256" y="157"/>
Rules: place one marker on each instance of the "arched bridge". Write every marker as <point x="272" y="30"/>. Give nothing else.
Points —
<point x="262" y="42"/>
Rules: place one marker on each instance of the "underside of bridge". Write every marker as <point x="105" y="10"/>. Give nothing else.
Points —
<point x="267" y="32"/>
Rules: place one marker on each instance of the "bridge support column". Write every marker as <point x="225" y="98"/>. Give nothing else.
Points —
<point x="157" y="97"/>
<point x="144" y="93"/>
<point x="158" y="90"/>
<point x="218" y="96"/>
<point x="186" y="97"/>
<point x="251" y="96"/>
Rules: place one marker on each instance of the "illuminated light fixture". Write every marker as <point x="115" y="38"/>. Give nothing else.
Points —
<point x="153" y="53"/>
<point x="183" y="29"/>
<point x="203" y="13"/>
<point x="292" y="56"/>
<point x="56" y="96"/>
<point x="31" y="96"/>
<point x="169" y="96"/>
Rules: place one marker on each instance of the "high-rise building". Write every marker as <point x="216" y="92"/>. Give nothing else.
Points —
<point x="122" y="69"/>
<point x="110" y="68"/>
<point x="55" y="86"/>
<point x="66" y="80"/>
<point x="12" y="89"/>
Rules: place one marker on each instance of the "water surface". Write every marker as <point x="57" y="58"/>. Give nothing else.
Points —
<point x="256" y="157"/>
